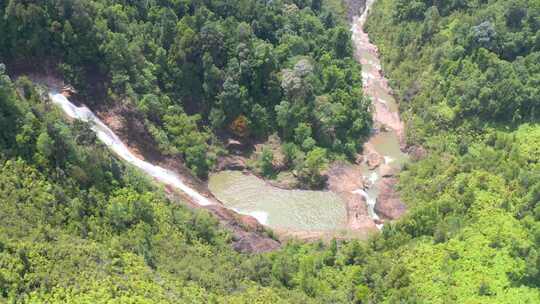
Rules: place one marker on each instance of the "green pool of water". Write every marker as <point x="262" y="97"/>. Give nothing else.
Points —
<point x="278" y="208"/>
<point x="387" y="145"/>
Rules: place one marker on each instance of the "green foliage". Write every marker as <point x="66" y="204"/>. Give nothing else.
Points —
<point x="464" y="71"/>
<point x="314" y="163"/>
<point x="267" y="159"/>
<point x="219" y="59"/>
<point x="185" y="137"/>
<point x="466" y="63"/>
<point x="78" y="226"/>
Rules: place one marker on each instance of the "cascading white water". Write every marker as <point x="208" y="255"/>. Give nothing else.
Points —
<point x="112" y="141"/>
<point x="364" y="15"/>
<point x="385" y="111"/>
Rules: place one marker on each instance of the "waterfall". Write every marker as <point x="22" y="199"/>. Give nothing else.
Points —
<point x="114" y="143"/>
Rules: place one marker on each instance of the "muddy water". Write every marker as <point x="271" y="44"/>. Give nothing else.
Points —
<point x="278" y="208"/>
<point x="318" y="210"/>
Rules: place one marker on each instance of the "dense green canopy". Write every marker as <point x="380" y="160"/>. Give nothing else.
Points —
<point x="78" y="226"/>
<point x="467" y="75"/>
<point x="195" y="67"/>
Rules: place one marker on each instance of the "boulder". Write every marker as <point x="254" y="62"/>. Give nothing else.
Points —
<point x="379" y="221"/>
<point x="374" y="160"/>
<point x="235" y="146"/>
<point x="231" y="163"/>
<point x="359" y="159"/>
<point x="389" y="205"/>
<point x="252" y="243"/>
<point x="250" y="222"/>
<point x="388" y="171"/>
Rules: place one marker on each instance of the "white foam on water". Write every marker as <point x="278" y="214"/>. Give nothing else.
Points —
<point x="362" y="192"/>
<point x="373" y="177"/>
<point x="260" y="216"/>
<point x="111" y="140"/>
<point x="362" y="43"/>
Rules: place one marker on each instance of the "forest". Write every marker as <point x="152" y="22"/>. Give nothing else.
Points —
<point x="201" y="69"/>
<point x="79" y="226"/>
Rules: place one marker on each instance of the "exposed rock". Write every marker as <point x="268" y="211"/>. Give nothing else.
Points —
<point x="235" y="146"/>
<point x="248" y="233"/>
<point x="234" y="142"/>
<point x="359" y="159"/>
<point x="378" y="221"/>
<point x="250" y="222"/>
<point x="355" y="7"/>
<point x="343" y="177"/>
<point x="357" y="213"/>
<point x="231" y="163"/>
<point x="388" y="171"/>
<point x="374" y="160"/>
<point x="253" y="243"/>
<point x="384" y="128"/>
<point x="68" y="90"/>
<point x="389" y="205"/>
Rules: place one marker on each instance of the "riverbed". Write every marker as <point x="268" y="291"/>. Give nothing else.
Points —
<point x="323" y="210"/>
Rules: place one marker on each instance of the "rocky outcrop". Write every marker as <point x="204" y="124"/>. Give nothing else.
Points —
<point x="371" y="157"/>
<point x="344" y="179"/>
<point x="374" y="160"/>
<point x="388" y="171"/>
<point x="355" y="8"/>
<point x="253" y="243"/>
<point x="231" y="163"/>
<point x="389" y="205"/>
<point x="249" y="235"/>
<point x="357" y="213"/>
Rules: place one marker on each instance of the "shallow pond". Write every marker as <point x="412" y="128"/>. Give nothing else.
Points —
<point x="278" y="208"/>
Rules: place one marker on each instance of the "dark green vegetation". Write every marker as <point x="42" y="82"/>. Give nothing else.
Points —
<point x="199" y="68"/>
<point x="77" y="226"/>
